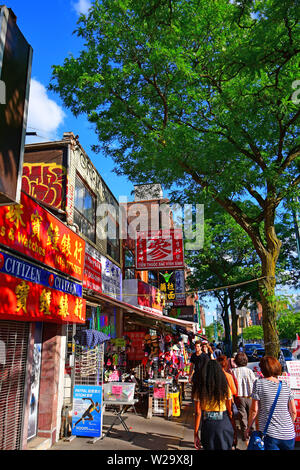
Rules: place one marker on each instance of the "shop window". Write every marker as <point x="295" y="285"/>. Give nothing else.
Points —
<point x="85" y="210"/>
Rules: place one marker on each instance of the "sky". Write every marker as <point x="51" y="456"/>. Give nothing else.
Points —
<point x="48" y="27"/>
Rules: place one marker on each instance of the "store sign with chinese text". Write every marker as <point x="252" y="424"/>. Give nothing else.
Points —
<point x="101" y="275"/>
<point x="180" y="299"/>
<point x="159" y="249"/>
<point x="167" y="286"/>
<point x="33" y="231"/>
<point x="28" y="301"/>
<point x="22" y="269"/>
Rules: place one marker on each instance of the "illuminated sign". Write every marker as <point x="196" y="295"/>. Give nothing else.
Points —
<point x="33" y="231"/>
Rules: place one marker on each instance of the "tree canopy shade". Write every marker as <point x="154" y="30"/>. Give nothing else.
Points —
<point x="198" y="92"/>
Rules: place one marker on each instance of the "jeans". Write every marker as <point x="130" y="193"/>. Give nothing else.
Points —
<point x="278" y="444"/>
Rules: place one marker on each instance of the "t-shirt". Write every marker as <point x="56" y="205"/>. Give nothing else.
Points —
<point x="245" y="378"/>
<point x="198" y="361"/>
<point x="231" y="383"/>
<point x="210" y="406"/>
<point x="281" y="425"/>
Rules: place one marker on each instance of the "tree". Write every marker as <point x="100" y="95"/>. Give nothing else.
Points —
<point x="188" y="92"/>
<point x="253" y="333"/>
<point x="227" y="259"/>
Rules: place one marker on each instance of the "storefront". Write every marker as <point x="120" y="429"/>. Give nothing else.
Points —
<point x="41" y="272"/>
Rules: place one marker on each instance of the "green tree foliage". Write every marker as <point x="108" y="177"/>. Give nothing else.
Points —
<point x="253" y="333"/>
<point x="198" y="93"/>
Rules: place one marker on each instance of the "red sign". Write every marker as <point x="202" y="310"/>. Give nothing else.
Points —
<point x="159" y="249"/>
<point x="30" y="229"/>
<point x="45" y="181"/>
<point x="27" y="301"/>
<point x="136" y="352"/>
<point x="92" y="278"/>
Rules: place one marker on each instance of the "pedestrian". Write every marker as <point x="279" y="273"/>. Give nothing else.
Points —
<point x="245" y="378"/>
<point x="213" y="409"/>
<point x="217" y="351"/>
<point x="196" y="361"/>
<point x="281" y="430"/>
<point x="206" y="349"/>
<point x="223" y="361"/>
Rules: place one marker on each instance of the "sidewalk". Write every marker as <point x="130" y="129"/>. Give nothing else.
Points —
<point x="157" y="433"/>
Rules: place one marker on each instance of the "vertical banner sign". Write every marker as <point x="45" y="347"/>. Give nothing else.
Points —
<point x="167" y="286"/>
<point x="15" y="72"/>
<point x="87" y="411"/>
<point x="180" y="299"/>
<point x="159" y="249"/>
<point x="30" y="229"/>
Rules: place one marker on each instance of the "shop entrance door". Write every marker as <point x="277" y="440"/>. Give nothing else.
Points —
<point x="14" y="337"/>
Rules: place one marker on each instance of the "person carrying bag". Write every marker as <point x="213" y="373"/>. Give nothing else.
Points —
<point x="257" y="437"/>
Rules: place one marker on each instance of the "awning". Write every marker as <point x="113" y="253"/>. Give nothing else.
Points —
<point x="190" y="326"/>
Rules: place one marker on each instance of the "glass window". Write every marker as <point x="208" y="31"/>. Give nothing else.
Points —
<point x="85" y="210"/>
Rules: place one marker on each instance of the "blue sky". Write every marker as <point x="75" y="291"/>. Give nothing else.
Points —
<point x="48" y="27"/>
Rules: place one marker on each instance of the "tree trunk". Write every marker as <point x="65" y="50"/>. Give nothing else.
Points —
<point x="269" y="308"/>
<point x="233" y="320"/>
<point x="225" y="318"/>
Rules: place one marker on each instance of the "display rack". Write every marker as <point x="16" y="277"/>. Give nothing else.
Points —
<point x="89" y="365"/>
<point x="158" y="401"/>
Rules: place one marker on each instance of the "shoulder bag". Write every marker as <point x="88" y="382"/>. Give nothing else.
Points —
<point x="256" y="441"/>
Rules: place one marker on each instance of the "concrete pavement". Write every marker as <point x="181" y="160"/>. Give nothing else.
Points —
<point x="157" y="433"/>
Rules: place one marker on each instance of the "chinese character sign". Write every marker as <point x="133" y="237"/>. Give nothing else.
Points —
<point x="29" y="229"/>
<point x="28" y="301"/>
<point x="159" y="249"/>
<point x="87" y="411"/>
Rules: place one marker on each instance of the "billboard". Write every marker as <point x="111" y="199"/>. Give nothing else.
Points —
<point x="158" y="249"/>
<point x="15" y="72"/>
<point x="30" y="229"/>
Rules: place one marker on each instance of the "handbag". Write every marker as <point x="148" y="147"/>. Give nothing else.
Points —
<point x="256" y="441"/>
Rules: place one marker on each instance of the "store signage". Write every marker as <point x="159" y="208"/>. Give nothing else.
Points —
<point x="101" y="275"/>
<point x="87" y="411"/>
<point x="159" y="249"/>
<point x="167" y="287"/>
<point x="136" y="349"/>
<point x="183" y="313"/>
<point x="45" y="181"/>
<point x="15" y="73"/>
<point x="31" y="230"/>
<point x="29" y="272"/>
<point x="180" y="299"/>
<point x="28" y="301"/>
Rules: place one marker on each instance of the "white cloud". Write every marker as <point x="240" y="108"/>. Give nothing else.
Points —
<point x="82" y="6"/>
<point x="44" y="115"/>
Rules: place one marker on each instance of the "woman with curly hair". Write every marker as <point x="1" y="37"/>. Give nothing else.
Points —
<point x="212" y="398"/>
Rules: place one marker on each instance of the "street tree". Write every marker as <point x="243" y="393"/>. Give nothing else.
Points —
<point x="184" y="92"/>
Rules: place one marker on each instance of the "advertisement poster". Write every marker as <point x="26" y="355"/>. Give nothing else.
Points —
<point x="35" y="381"/>
<point x="87" y="411"/>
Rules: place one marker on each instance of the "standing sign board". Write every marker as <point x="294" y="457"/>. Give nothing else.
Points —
<point x="293" y="380"/>
<point x="159" y="249"/>
<point x="87" y="411"/>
